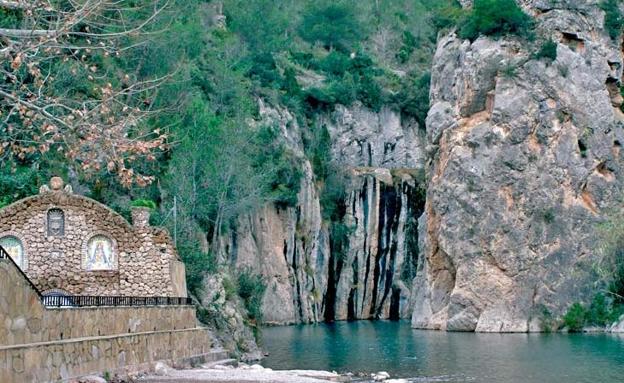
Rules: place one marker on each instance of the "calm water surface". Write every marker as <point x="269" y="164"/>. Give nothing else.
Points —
<point x="432" y="356"/>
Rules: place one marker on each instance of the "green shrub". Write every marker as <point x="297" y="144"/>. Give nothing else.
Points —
<point x="230" y="288"/>
<point x="335" y="63"/>
<point x="413" y="98"/>
<point x="610" y="265"/>
<point x="318" y="149"/>
<point x="614" y="20"/>
<point x="284" y="166"/>
<point x="509" y="70"/>
<point x="548" y="50"/>
<point x="446" y="14"/>
<point x="574" y="319"/>
<point x="335" y="24"/>
<point x="408" y="46"/>
<point x="250" y="288"/>
<point x="264" y="70"/>
<point x="549" y="215"/>
<point x="143" y="203"/>
<point x="19" y="182"/>
<point x="547" y="321"/>
<point x="495" y="18"/>
<point x="197" y="265"/>
<point x="602" y="311"/>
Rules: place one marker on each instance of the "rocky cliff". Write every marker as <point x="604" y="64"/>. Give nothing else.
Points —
<point x="523" y="160"/>
<point x="382" y="157"/>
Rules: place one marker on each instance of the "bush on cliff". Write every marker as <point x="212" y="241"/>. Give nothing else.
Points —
<point x="602" y="311"/>
<point x="334" y="24"/>
<point x="495" y="18"/>
<point x="614" y="20"/>
<point x="250" y="288"/>
<point x="574" y="319"/>
<point x="548" y="51"/>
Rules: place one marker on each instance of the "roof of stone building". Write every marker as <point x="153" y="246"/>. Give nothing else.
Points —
<point x="61" y="194"/>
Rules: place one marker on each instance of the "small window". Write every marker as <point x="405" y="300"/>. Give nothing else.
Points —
<point x="15" y="249"/>
<point x="56" y="223"/>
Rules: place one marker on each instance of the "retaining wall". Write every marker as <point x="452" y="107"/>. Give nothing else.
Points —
<point x="38" y="344"/>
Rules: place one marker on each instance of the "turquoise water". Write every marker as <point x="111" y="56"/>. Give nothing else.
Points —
<point x="432" y="356"/>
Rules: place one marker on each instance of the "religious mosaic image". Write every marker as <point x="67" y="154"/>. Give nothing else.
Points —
<point x="14" y="247"/>
<point x="100" y="255"/>
<point x="56" y="222"/>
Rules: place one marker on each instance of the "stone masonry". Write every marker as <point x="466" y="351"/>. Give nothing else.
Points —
<point x="40" y="345"/>
<point x="72" y="244"/>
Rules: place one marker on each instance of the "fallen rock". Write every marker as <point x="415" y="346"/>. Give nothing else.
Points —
<point x="161" y="369"/>
<point x="91" y="379"/>
<point x="381" y="376"/>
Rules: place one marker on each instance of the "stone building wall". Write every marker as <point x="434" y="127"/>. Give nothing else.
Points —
<point x="41" y="345"/>
<point x="68" y="243"/>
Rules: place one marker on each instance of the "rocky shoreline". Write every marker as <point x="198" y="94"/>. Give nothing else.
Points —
<point x="224" y="372"/>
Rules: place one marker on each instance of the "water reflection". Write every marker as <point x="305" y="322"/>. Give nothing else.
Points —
<point x="438" y="356"/>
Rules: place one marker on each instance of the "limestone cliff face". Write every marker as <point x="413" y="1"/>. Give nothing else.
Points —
<point x="523" y="160"/>
<point x="291" y="247"/>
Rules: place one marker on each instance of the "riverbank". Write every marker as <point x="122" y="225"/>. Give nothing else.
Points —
<point x="223" y="373"/>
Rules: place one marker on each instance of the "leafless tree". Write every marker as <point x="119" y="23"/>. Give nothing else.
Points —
<point x="99" y="126"/>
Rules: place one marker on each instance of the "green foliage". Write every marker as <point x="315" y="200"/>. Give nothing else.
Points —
<point x="408" y="46"/>
<point x="495" y="18"/>
<point x="19" y="182"/>
<point x="446" y="14"/>
<point x="602" y="311"/>
<point x="10" y="18"/>
<point x="413" y="99"/>
<point x="574" y="319"/>
<point x="318" y="149"/>
<point x="614" y="20"/>
<point x="143" y="203"/>
<point x="549" y="215"/>
<point x="335" y="24"/>
<point x="230" y="288"/>
<point x="286" y="174"/>
<point x="548" y="51"/>
<point x="610" y="264"/>
<point x="349" y="79"/>
<point x="198" y="264"/>
<point x="251" y="287"/>
<point x="547" y="320"/>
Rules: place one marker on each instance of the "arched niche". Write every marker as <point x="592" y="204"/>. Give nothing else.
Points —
<point x="15" y="248"/>
<point x="56" y="222"/>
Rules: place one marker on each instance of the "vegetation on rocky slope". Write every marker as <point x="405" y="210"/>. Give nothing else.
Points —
<point x="158" y="101"/>
<point x="196" y="135"/>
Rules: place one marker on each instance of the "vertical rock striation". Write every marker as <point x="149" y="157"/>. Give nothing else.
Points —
<point x="291" y="246"/>
<point x="523" y="160"/>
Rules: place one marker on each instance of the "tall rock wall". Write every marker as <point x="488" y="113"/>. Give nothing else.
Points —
<point x="291" y="246"/>
<point x="523" y="161"/>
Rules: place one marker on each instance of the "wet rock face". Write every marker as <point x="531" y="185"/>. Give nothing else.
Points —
<point x="523" y="160"/>
<point x="292" y="246"/>
<point x="362" y="137"/>
<point x="373" y="277"/>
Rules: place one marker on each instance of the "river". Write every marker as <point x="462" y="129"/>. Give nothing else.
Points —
<point x="434" y="356"/>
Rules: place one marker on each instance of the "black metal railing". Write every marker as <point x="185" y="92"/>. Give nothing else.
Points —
<point x="59" y="300"/>
<point x="90" y="301"/>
